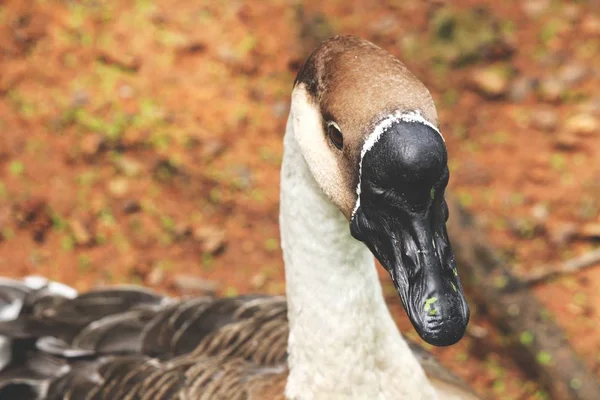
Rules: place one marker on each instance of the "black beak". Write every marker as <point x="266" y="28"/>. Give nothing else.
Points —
<point x="402" y="219"/>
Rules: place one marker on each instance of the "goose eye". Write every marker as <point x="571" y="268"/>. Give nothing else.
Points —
<point x="335" y="135"/>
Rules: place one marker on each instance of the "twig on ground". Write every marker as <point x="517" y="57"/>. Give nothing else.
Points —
<point x="579" y="263"/>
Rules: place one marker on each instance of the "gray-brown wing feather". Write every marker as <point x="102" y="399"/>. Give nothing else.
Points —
<point x="131" y="343"/>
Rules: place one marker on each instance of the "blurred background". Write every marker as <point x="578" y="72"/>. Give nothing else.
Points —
<point x="140" y="142"/>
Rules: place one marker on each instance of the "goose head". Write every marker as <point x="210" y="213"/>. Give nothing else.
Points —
<point x="368" y="130"/>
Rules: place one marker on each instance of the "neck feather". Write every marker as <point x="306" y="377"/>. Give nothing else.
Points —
<point x="343" y="341"/>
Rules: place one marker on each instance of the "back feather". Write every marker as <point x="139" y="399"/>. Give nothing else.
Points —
<point x="129" y="342"/>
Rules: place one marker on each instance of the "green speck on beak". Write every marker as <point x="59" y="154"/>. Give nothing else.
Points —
<point x="429" y="302"/>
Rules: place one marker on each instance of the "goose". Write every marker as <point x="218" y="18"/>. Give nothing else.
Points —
<point x="363" y="176"/>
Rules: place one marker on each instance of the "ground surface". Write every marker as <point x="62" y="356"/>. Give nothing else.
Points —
<point x="140" y="141"/>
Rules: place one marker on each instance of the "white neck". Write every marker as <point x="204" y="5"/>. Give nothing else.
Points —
<point x="343" y="341"/>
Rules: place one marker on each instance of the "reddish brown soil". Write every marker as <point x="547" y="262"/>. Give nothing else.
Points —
<point x="140" y="141"/>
